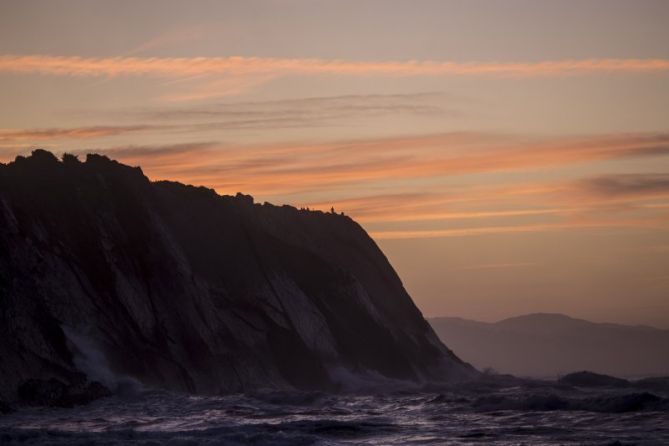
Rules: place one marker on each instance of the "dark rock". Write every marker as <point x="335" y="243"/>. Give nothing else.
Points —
<point x="245" y="199"/>
<point x="39" y="392"/>
<point x="5" y="408"/>
<point x="106" y="273"/>
<point x="607" y="403"/>
<point x="55" y="393"/>
<point x="633" y="402"/>
<point x="590" y="379"/>
<point x="90" y="392"/>
<point x="659" y="384"/>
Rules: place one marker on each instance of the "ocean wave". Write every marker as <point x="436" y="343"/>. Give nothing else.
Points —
<point x="515" y="415"/>
<point x="630" y="402"/>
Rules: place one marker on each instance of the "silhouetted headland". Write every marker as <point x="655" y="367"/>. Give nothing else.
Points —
<point x="107" y="277"/>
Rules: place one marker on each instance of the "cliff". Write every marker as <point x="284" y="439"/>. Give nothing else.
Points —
<point x="107" y="276"/>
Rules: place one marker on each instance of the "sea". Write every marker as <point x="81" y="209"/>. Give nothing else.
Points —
<point x="467" y="414"/>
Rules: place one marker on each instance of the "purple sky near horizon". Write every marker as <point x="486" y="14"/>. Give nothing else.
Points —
<point x="508" y="156"/>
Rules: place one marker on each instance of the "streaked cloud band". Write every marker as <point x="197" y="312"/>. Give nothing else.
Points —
<point x="199" y="66"/>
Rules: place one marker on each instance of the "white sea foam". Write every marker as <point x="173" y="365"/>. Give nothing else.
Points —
<point x="91" y="360"/>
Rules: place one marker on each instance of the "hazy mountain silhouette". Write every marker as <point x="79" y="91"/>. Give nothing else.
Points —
<point x="549" y="345"/>
<point x="105" y="275"/>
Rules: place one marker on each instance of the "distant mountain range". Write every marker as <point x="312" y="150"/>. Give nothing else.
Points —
<point x="549" y="345"/>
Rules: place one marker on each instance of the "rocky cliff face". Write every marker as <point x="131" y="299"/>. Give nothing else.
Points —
<point x="106" y="274"/>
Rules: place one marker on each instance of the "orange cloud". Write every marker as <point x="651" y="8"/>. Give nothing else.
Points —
<point x="70" y="133"/>
<point x="511" y="229"/>
<point x="195" y="66"/>
<point x="614" y="186"/>
<point x="283" y="168"/>
<point x="498" y="265"/>
<point x="462" y="215"/>
<point x="550" y="201"/>
<point x="337" y="168"/>
<point x="288" y="168"/>
<point x="222" y="86"/>
<point x="416" y="207"/>
<point x="341" y="171"/>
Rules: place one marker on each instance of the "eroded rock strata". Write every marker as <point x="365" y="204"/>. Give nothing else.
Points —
<point x="105" y="273"/>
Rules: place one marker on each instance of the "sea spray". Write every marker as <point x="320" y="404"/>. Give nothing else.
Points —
<point x="91" y="360"/>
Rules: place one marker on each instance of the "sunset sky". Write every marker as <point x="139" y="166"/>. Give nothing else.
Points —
<point x="508" y="156"/>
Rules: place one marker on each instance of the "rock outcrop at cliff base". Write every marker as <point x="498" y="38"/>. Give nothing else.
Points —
<point x="106" y="274"/>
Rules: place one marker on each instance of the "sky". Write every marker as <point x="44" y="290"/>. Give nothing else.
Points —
<point x="508" y="156"/>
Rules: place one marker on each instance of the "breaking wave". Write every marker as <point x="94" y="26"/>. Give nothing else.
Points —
<point x="90" y="359"/>
<point x="465" y="415"/>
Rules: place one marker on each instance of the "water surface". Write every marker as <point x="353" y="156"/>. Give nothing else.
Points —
<point x="458" y="416"/>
